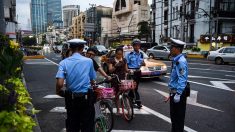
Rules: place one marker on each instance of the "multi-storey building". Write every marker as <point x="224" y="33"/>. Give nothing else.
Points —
<point x="198" y="22"/>
<point x="70" y="11"/>
<point x="38" y="10"/>
<point x="54" y="13"/>
<point x="45" y="13"/>
<point x="96" y="23"/>
<point x="126" y="16"/>
<point x="78" y="23"/>
<point x="8" y="18"/>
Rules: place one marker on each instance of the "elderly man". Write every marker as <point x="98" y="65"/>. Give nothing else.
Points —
<point x="177" y="84"/>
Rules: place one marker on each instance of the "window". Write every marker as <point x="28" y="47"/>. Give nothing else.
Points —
<point x="159" y="48"/>
<point x="221" y="51"/>
<point x="173" y="13"/>
<point x="229" y="50"/>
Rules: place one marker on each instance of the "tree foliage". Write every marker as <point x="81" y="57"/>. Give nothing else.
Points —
<point x="29" y="40"/>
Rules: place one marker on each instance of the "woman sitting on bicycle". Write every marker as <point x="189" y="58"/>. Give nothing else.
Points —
<point x="118" y="66"/>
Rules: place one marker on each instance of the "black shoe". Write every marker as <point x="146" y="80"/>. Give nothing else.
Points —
<point x="139" y="106"/>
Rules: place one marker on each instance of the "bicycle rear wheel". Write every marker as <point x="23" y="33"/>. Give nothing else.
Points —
<point x="127" y="107"/>
<point x="107" y="112"/>
<point x="100" y="125"/>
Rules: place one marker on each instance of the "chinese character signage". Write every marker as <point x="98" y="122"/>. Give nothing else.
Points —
<point x="223" y="38"/>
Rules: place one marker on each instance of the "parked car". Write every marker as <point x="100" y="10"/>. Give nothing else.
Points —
<point x="101" y="49"/>
<point x="153" y="68"/>
<point x="161" y="51"/>
<point x="222" y="55"/>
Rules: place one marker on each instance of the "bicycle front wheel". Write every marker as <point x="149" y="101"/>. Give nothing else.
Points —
<point x="107" y="112"/>
<point x="100" y="125"/>
<point x="127" y="107"/>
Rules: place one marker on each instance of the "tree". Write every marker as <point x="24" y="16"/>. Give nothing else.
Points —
<point x="29" y="40"/>
<point x="144" y="29"/>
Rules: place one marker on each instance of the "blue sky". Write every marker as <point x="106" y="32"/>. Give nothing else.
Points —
<point x="23" y="8"/>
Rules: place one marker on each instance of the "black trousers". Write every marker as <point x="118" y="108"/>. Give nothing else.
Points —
<point x="80" y="114"/>
<point x="177" y="113"/>
<point x="136" y="77"/>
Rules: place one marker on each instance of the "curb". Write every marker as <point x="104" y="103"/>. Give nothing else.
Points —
<point x="37" y="127"/>
<point x="195" y="56"/>
<point x="34" y="57"/>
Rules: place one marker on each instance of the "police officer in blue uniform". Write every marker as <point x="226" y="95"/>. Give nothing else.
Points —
<point x="79" y="101"/>
<point x="177" y="84"/>
<point x="135" y="60"/>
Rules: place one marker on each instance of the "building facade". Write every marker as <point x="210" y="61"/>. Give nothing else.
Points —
<point x="126" y="16"/>
<point x="94" y="28"/>
<point x="78" y="23"/>
<point x="38" y="10"/>
<point x="54" y="13"/>
<point x="70" y="11"/>
<point x="189" y="20"/>
<point x="8" y="18"/>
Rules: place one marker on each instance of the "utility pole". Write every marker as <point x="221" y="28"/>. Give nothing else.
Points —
<point x="182" y="21"/>
<point x="2" y="18"/>
<point x="210" y="26"/>
<point x="171" y="17"/>
<point x="154" y="20"/>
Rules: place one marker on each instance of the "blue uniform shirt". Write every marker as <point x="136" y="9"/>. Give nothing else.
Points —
<point x="78" y="71"/>
<point x="179" y="74"/>
<point x="134" y="59"/>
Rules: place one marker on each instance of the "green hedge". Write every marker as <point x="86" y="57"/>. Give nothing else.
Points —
<point x="14" y="100"/>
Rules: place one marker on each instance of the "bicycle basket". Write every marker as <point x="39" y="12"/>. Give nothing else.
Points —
<point x="127" y="85"/>
<point x="104" y="93"/>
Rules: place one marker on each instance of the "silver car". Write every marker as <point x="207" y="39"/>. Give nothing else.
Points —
<point x="161" y="52"/>
<point x="222" y="55"/>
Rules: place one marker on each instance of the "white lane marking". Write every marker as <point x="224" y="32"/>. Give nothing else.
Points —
<point x="229" y="75"/>
<point x="52" y="61"/>
<point x="192" y="100"/>
<point x="52" y="97"/>
<point x="136" y="111"/>
<point x="191" y="76"/>
<point x="165" y="118"/>
<point x="58" y="110"/>
<point x="218" y="87"/>
<point x="64" y="130"/>
<point x="38" y="63"/>
<point x="203" y="69"/>
<point x="222" y="85"/>
<point x="54" y="58"/>
<point x="134" y="131"/>
<point x="213" y="70"/>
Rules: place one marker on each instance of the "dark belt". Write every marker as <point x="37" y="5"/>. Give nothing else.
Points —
<point x="78" y="95"/>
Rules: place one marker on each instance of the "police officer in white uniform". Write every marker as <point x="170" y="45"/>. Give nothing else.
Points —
<point x="79" y="73"/>
<point x="177" y="84"/>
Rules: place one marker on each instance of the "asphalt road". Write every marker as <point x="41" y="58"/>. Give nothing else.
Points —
<point x="210" y="108"/>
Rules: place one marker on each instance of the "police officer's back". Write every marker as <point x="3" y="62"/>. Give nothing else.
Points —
<point x="78" y="72"/>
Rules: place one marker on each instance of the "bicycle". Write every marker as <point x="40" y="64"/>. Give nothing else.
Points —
<point x="104" y="112"/>
<point x="124" y="87"/>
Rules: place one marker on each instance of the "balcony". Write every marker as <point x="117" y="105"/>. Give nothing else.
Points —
<point x="224" y="9"/>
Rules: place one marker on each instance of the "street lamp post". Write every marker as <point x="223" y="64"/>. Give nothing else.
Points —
<point x="119" y="32"/>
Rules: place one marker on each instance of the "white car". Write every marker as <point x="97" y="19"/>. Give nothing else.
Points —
<point x="222" y="55"/>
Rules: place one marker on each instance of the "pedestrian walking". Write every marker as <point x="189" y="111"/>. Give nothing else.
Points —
<point x="135" y="60"/>
<point x="91" y="53"/>
<point x="79" y="100"/>
<point x="177" y="84"/>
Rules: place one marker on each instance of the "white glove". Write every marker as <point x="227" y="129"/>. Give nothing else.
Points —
<point x="177" y="98"/>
